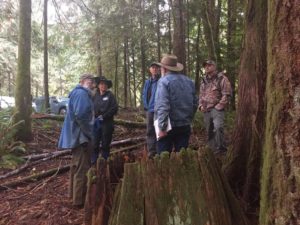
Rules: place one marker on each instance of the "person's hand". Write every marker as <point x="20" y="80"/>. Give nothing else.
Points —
<point x="202" y="109"/>
<point x="162" y="134"/>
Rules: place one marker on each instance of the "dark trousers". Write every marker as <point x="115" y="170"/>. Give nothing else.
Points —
<point x="103" y="135"/>
<point x="80" y="165"/>
<point x="151" y="135"/>
<point x="177" y="138"/>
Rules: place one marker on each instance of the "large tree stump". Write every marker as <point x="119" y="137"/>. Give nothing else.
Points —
<point x="185" y="188"/>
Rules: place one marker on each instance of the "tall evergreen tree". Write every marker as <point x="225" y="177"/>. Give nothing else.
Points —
<point x="280" y="201"/>
<point x="23" y="90"/>
<point x="243" y="164"/>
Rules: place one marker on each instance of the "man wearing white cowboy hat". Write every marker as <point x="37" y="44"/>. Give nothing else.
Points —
<point x="176" y="100"/>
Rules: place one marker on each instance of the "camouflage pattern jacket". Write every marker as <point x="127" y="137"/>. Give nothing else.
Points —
<point x="215" y="92"/>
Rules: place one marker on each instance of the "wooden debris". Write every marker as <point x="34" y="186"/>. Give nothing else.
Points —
<point x="34" y="177"/>
<point x="181" y="188"/>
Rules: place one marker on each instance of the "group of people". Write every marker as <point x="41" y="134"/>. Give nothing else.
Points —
<point x="170" y="102"/>
<point x="170" y="99"/>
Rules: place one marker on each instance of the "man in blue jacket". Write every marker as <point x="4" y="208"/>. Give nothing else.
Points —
<point x="76" y="134"/>
<point x="175" y="100"/>
<point x="148" y="100"/>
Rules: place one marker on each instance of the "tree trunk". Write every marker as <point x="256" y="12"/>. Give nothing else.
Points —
<point x="158" y="29"/>
<point x="9" y="88"/>
<point x="197" y="70"/>
<point x="179" y="18"/>
<point x="210" y="17"/>
<point x="169" y="31"/>
<point x="242" y="167"/>
<point x="188" y="65"/>
<point x="125" y="79"/>
<point x="116" y="83"/>
<point x="142" y="44"/>
<point x="46" y="81"/>
<point x="23" y="88"/>
<point x="280" y="199"/>
<point x="195" y="193"/>
<point x="231" y="52"/>
<point x="133" y="73"/>
<point x="99" y="65"/>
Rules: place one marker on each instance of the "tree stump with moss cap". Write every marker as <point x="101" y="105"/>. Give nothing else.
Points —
<point x="185" y="188"/>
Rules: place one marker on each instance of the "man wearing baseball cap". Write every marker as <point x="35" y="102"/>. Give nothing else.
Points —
<point x="76" y="134"/>
<point x="215" y="91"/>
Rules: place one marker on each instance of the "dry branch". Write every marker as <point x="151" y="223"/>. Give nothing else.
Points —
<point x="30" y="164"/>
<point x="34" y="177"/>
<point x="68" y="151"/>
<point x="128" y="148"/>
<point x="47" y="156"/>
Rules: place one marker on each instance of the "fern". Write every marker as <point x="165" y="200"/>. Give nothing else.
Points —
<point x="9" y="148"/>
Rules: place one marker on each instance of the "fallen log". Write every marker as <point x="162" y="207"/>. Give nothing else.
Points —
<point x="126" y="141"/>
<point x="34" y="177"/>
<point x="181" y="188"/>
<point x="51" y="155"/>
<point x="34" y="157"/>
<point x="30" y="164"/>
<point x="128" y="148"/>
<point x="126" y="123"/>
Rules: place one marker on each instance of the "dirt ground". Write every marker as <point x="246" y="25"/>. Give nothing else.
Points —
<point x="46" y="201"/>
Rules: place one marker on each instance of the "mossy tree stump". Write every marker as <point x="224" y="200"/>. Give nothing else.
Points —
<point x="182" y="188"/>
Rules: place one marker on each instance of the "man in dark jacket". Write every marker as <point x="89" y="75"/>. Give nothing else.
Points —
<point x="106" y="108"/>
<point x="175" y="101"/>
<point x="76" y="134"/>
<point x="148" y="101"/>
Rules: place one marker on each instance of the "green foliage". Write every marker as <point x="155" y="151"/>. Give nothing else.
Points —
<point x="9" y="148"/>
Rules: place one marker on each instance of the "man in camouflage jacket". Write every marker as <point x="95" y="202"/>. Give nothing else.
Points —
<point x="215" y="91"/>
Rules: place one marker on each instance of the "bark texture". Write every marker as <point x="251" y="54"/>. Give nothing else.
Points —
<point x="184" y="188"/>
<point x="179" y="35"/>
<point x="23" y="96"/>
<point x="280" y="194"/>
<point x="242" y="166"/>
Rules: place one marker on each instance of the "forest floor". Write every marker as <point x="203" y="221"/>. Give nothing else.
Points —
<point x="46" y="201"/>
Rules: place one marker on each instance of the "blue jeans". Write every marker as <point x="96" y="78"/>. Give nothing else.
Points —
<point x="178" y="138"/>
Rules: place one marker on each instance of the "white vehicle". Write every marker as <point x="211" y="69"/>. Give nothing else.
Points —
<point x="6" y="102"/>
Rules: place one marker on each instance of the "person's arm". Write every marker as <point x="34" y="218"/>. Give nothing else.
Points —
<point x="162" y="105"/>
<point x="226" y="93"/>
<point x="144" y="95"/>
<point x="195" y="99"/>
<point x="83" y="112"/>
